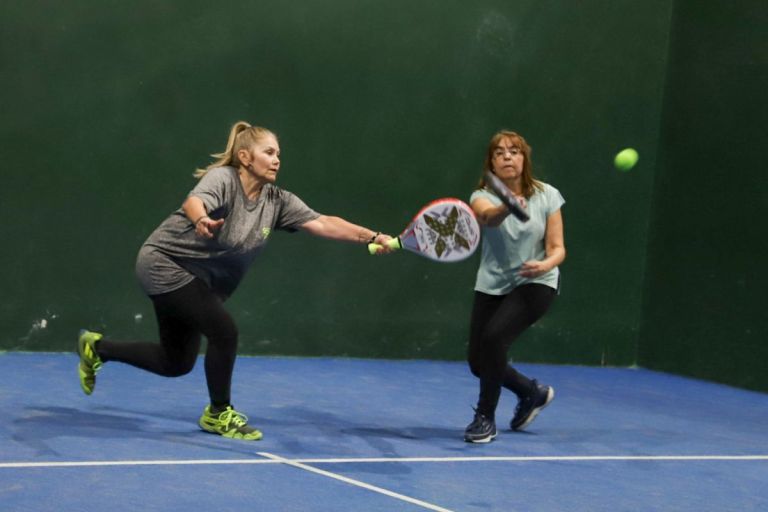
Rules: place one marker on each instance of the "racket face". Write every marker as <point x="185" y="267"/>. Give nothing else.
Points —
<point x="445" y="230"/>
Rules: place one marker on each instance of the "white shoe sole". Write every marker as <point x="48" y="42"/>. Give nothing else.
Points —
<point x="483" y="440"/>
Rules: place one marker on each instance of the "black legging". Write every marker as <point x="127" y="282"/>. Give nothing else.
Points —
<point x="182" y="316"/>
<point x="497" y="320"/>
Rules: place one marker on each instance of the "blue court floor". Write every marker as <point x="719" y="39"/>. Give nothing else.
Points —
<point x="374" y="435"/>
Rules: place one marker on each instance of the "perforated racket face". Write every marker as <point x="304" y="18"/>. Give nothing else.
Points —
<point x="444" y="230"/>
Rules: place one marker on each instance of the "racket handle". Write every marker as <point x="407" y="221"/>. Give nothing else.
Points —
<point x="518" y="212"/>
<point x="503" y="193"/>
<point x="392" y="244"/>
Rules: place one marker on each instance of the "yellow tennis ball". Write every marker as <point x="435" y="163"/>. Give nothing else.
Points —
<point x="626" y="159"/>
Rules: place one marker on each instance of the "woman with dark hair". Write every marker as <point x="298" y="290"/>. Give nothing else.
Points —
<point x="517" y="281"/>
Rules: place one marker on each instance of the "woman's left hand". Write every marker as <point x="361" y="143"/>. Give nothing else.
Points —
<point x="533" y="268"/>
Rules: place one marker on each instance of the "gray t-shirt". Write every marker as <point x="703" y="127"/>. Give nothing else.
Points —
<point x="174" y="254"/>
<point x="506" y="247"/>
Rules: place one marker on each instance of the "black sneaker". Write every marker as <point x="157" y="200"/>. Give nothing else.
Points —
<point x="481" y="430"/>
<point x="528" y="407"/>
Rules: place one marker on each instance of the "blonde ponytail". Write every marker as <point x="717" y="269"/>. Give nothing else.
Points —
<point x="241" y="136"/>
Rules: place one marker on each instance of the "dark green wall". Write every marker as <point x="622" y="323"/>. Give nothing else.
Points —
<point x="380" y="107"/>
<point x="704" y="312"/>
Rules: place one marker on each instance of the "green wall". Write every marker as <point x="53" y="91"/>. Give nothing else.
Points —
<point x="380" y="107"/>
<point x="704" y="312"/>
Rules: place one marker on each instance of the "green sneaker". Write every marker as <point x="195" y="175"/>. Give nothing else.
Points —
<point x="90" y="363"/>
<point x="228" y="423"/>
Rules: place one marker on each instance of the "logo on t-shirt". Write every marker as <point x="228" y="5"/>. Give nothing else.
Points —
<point x="265" y="232"/>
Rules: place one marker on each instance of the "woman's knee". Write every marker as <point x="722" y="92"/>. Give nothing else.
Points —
<point x="482" y="363"/>
<point x="178" y="368"/>
<point x="225" y="335"/>
<point x="483" y="354"/>
<point x="475" y="367"/>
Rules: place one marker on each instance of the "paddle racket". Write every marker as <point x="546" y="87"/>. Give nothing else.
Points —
<point x="445" y="230"/>
<point x="502" y="192"/>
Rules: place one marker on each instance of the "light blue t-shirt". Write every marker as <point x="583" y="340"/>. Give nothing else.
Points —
<point x="506" y="247"/>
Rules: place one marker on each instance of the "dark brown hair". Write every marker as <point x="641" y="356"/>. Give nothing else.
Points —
<point x="530" y="184"/>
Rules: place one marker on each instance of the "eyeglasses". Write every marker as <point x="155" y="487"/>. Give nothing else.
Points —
<point x="501" y="152"/>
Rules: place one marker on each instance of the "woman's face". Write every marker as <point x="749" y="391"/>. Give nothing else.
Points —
<point x="508" y="159"/>
<point x="263" y="160"/>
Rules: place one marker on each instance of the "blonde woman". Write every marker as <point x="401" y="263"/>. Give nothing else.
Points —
<point x="517" y="281"/>
<point x="196" y="259"/>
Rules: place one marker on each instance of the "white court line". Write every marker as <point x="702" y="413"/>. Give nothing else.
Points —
<point x="533" y="458"/>
<point x="356" y="483"/>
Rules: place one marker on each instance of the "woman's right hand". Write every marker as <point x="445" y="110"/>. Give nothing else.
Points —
<point x="207" y="227"/>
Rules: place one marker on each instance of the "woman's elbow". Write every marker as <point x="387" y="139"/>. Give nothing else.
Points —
<point x="557" y="251"/>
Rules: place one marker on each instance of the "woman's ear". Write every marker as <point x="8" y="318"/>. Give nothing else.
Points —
<point x="245" y="157"/>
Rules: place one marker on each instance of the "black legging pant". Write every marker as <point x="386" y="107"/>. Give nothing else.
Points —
<point x="183" y="316"/>
<point x="497" y="321"/>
